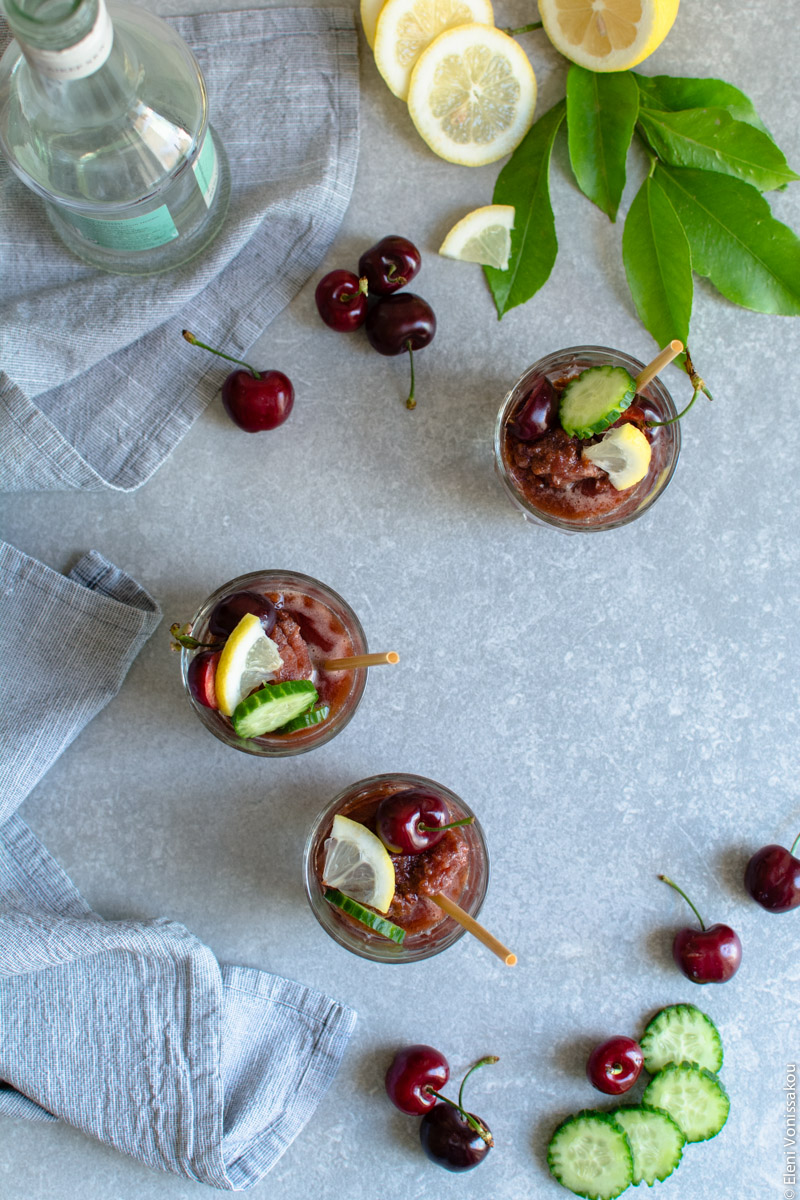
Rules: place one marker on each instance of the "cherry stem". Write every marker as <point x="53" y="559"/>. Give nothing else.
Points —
<point x="524" y="29"/>
<point x="686" y="898"/>
<point x="672" y="420"/>
<point x="440" y="828"/>
<point x="182" y="635"/>
<point x="363" y="288"/>
<point x="192" y="340"/>
<point x="411" y="402"/>
<point x="393" y="276"/>
<point x="795" y="844"/>
<point x="616" y="1068"/>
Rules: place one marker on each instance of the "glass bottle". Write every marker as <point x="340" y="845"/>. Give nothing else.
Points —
<point x="104" y="115"/>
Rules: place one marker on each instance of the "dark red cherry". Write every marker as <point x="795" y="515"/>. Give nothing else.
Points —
<point x="401" y="322"/>
<point x="390" y="264"/>
<point x="772" y="878"/>
<point x="615" y="1065"/>
<point x="412" y="1071"/>
<point x="450" y="1142"/>
<point x="341" y="299"/>
<point x="201" y="677"/>
<point x="538" y="414"/>
<point x="412" y="820"/>
<point x="254" y="400"/>
<point x="227" y="614"/>
<point x="710" y="954"/>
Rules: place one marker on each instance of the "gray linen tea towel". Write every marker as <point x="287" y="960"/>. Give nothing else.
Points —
<point x="97" y="386"/>
<point x="129" y="1030"/>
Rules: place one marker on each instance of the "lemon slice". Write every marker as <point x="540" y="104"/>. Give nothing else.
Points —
<point x="358" y="864"/>
<point x="607" y="35"/>
<point x="405" y="27"/>
<point x="482" y="236"/>
<point x="624" y="453"/>
<point x="370" y="11"/>
<point x="472" y="95"/>
<point x="248" y="658"/>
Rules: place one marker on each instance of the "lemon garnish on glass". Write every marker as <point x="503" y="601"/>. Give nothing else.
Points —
<point x="607" y="35"/>
<point x="482" y="236"/>
<point x="248" y="658"/>
<point x="358" y="864"/>
<point x="472" y="94"/>
<point x="624" y="453"/>
<point x="406" y="27"/>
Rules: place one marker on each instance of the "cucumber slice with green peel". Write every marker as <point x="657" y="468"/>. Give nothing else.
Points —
<point x="591" y="1156"/>
<point x="681" y="1033"/>
<point x="306" y="720"/>
<point x="593" y="401"/>
<point x="271" y="706"/>
<point x="366" y="916"/>
<point x="692" y="1096"/>
<point x="656" y="1141"/>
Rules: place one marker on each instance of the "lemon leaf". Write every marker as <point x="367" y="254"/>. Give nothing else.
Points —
<point x="524" y="183"/>
<point x="675" y="92"/>
<point x="655" y="252"/>
<point x="601" y="116"/>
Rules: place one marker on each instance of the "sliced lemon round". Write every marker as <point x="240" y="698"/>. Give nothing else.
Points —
<point x="248" y="658"/>
<point x="607" y="35"/>
<point x="472" y="95"/>
<point x="482" y="236"/>
<point x="358" y="864"/>
<point x="370" y="11"/>
<point x="624" y="453"/>
<point x="406" y="27"/>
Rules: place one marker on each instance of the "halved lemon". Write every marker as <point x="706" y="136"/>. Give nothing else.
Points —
<point x="370" y="11"/>
<point x="406" y="27"/>
<point x="472" y="95"/>
<point x="482" y="236"/>
<point x="248" y="658"/>
<point x="607" y="35"/>
<point x="358" y="864"/>
<point x="624" y="453"/>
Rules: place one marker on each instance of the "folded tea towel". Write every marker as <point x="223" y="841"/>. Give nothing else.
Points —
<point x="97" y="386"/>
<point x="129" y="1030"/>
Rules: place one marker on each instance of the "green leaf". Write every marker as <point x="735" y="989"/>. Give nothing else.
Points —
<point x="525" y="182"/>
<point x="735" y="241"/>
<point x="601" y="116"/>
<point x="673" y="93"/>
<point x="710" y="139"/>
<point x="655" y="251"/>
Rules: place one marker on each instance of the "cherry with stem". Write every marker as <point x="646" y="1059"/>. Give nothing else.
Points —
<point x="474" y="1122"/>
<point x="254" y="400"/>
<point x="710" y="954"/>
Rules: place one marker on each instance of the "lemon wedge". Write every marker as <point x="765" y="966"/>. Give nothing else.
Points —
<point x="248" y="658"/>
<point x="405" y="27"/>
<point x="607" y="35"/>
<point x="472" y="94"/>
<point x="370" y="11"/>
<point x="482" y="236"/>
<point x="358" y="864"/>
<point x="624" y="453"/>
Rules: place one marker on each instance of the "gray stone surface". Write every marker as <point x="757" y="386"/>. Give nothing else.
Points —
<point x="613" y="706"/>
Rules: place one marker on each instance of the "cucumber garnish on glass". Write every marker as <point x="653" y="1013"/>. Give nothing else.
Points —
<point x="306" y="720"/>
<point x="272" y="706"/>
<point x="366" y="916"/>
<point x="595" y="400"/>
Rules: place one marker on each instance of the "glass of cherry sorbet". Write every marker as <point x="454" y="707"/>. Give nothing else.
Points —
<point x="542" y="477"/>
<point x="330" y="630"/>
<point x="457" y="866"/>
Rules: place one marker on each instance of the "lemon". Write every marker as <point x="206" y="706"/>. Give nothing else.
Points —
<point x="624" y="453"/>
<point x="482" y="236"/>
<point x="358" y="864"/>
<point x="406" y="27"/>
<point x="370" y="11"/>
<point x="248" y="658"/>
<point x="607" y="35"/>
<point x="472" y="94"/>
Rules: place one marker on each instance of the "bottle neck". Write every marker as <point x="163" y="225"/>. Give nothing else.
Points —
<point x="62" y="39"/>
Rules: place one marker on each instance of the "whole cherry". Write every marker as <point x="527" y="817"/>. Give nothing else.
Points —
<point x="201" y="676"/>
<point x="341" y="299"/>
<point x="415" y="1075"/>
<point x="538" y="414"/>
<point x="411" y="821"/>
<point x="452" y="1137"/>
<point x="227" y="613"/>
<point x="254" y="400"/>
<point x="772" y="877"/>
<point x="614" y="1066"/>
<point x="705" y="955"/>
<point x="399" y="323"/>
<point x="390" y="264"/>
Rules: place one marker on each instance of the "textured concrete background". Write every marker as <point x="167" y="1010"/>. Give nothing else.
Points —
<point x="613" y="706"/>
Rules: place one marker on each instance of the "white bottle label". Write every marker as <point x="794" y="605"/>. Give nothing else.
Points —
<point x="80" y="60"/>
<point x="206" y="170"/>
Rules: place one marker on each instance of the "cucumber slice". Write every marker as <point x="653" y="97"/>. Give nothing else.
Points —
<point x="681" y="1033"/>
<point x="272" y="706"/>
<point x="593" y="401"/>
<point x="306" y="720"/>
<point x="656" y="1141"/>
<point x="365" y="915"/>
<point x="590" y="1154"/>
<point x="693" y="1097"/>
